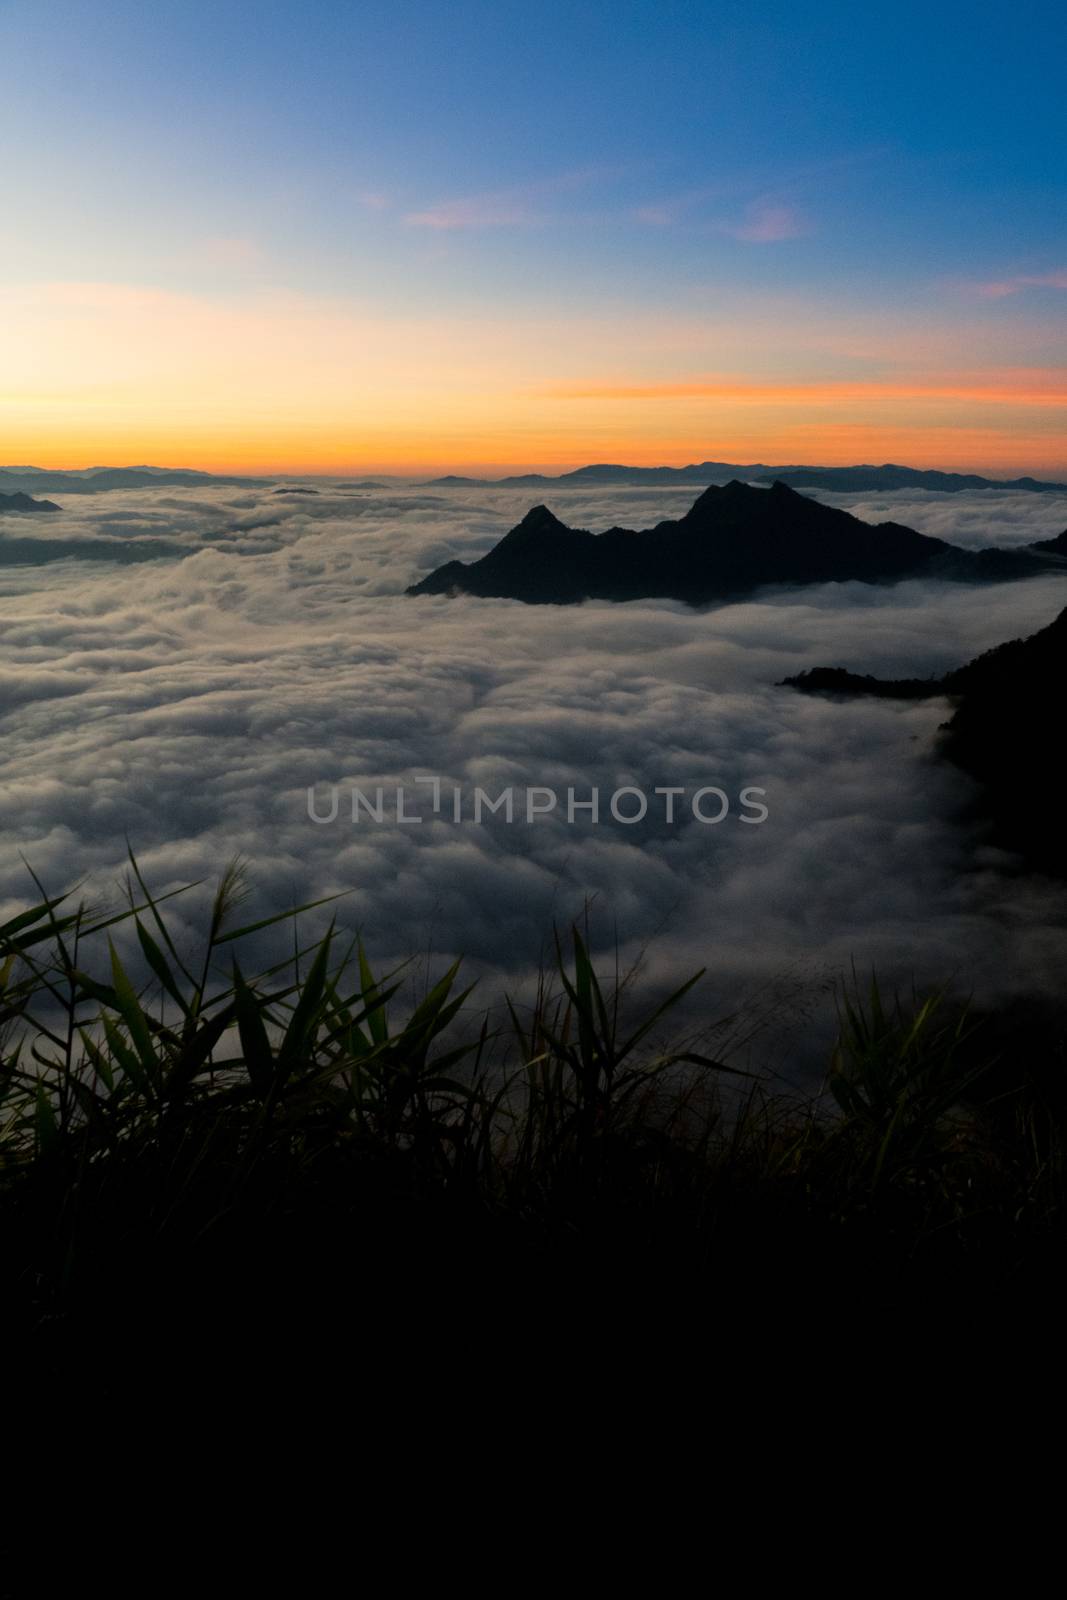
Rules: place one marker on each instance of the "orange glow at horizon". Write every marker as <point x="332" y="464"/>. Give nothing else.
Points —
<point x="952" y="450"/>
<point x="280" y="383"/>
<point x="1026" y="387"/>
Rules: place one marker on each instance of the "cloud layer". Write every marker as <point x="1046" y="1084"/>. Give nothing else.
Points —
<point x="191" y="700"/>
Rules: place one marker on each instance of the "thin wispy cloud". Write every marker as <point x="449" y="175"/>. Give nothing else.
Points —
<point x="1001" y="288"/>
<point x="762" y="221"/>
<point x="768" y="222"/>
<point x="660" y="215"/>
<point x="475" y="211"/>
<point x="1038" y="387"/>
<point x="690" y="205"/>
<point x="518" y="206"/>
<point x="760" y="196"/>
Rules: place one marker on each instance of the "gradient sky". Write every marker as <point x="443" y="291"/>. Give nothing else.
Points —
<point x="494" y="236"/>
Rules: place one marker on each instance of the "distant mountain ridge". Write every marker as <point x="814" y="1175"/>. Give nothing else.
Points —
<point x="735" y="538"/>
<point x="856" y="479"/>
<point x="94" y="480"/>
<point x="862" y="479"/>
<point x="24" y="502"/>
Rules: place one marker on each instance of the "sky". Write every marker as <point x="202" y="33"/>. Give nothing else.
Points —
<point x="492" y="237"/>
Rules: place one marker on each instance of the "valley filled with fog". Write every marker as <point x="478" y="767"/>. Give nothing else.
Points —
<point x="181" y="666"/>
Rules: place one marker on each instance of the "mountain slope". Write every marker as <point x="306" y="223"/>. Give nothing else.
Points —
<point x="732" y="540"/>
<point x="23" y="502"/>
<point x="865" y="480"/>
<point x="861" y="479"/>
<point x="1003" y="731"/>
<point x="34" y="480"/>
<point x="1052" y="547"/>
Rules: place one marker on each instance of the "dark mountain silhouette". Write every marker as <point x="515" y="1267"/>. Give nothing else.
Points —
<point x="1052" y="547"/>
<point x="1009" y="703"/>
<point x="362" y="483"/>
<point x="296" y="491"/>
<point x="453" y="481"/>
<point x="23" y="502"/>
<point x="702" y="473"/>
<point x="837" y="680"/>
<point x="732" y="540"/>
<point x="34" y="480"/>
<point x="863" y="479"/>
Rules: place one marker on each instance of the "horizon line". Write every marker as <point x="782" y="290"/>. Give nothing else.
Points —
<point x="503" y="470"/>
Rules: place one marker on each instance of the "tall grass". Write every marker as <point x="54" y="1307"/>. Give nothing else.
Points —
<point x="191" y="1120"/>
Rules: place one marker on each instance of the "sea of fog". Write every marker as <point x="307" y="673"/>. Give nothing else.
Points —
<point x="189" y="699"/>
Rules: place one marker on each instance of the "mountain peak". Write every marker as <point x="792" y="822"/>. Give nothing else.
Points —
<point x="736" y="538"/>
<point x="738" y="500"/>
<point x="537" y="515"/>
<point x="537" y="522"/>
<point x="25" y="502"/>
<point x="715" y="494"/>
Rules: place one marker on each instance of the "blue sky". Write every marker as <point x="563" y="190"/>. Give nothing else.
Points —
<point x="775" y="167"/>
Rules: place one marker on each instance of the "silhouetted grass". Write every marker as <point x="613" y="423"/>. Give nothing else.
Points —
<point x="201" y="1149"/>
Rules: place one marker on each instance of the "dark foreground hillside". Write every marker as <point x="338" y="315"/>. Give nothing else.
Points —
<point x="206" y="1171"/>
<point x="1004" y="730"/>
